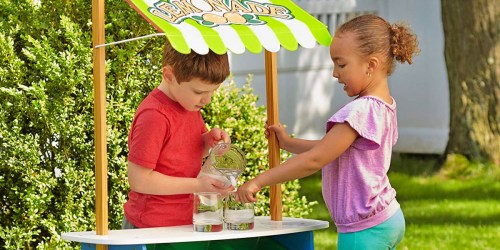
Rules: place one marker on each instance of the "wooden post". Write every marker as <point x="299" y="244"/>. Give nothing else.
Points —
<point x="273" y="118"/>
<point x="101" y="172"/>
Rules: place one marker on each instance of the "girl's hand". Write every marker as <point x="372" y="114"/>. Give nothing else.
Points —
<point x="246" y="192"/>
<point x="279" y="130"/>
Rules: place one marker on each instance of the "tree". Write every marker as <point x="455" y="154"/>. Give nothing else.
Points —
<point x="472" y="53"/>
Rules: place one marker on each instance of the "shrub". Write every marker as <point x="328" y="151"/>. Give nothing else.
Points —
<point x="234" y="109"/>
<point x="46" y="143"/>
<point x="46" y="117"/>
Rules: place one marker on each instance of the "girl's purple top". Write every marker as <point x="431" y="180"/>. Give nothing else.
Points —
<point x="356" y="188"/>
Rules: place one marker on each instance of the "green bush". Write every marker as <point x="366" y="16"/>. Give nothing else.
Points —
<point x="47" y="124"/>
<point x="46" y="117"/>
<point x="46" y="138"/>
<point x="234" y="109"/>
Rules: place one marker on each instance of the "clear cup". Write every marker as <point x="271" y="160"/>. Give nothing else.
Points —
<point x="207" y="212"/>
<point x="238" y="215"/>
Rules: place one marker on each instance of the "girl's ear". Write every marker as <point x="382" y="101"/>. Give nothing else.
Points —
<point x="168" y="75"/>
<point x="373" y="64"/>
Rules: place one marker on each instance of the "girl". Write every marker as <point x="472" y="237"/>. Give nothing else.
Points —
<point x="355" y="153"/>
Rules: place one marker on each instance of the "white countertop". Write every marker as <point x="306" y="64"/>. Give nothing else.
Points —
<point x="263" y="227"/>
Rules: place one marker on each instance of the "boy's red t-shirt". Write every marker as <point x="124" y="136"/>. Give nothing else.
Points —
<point x="167" y="138"/>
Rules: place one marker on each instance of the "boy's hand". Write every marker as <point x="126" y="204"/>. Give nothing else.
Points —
<point x="215" y="136"/>
<point x="209" y="184"/>
<point x="246" y="192"/>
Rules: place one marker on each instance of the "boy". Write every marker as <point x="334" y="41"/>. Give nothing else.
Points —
<point x="168" y="140"/>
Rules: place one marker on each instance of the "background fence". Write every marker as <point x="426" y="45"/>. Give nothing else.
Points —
<point x="309" y="95"/>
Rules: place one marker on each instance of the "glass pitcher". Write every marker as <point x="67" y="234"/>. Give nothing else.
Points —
<point x="225" y="162"/>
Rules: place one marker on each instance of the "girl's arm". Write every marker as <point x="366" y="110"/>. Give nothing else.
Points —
<point x="296" y="145"/>
<point x="335" y="142"/>
<point x="292" y="145"/>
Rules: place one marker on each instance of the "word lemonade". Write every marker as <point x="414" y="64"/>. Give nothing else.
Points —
<point x="217" y="12"/>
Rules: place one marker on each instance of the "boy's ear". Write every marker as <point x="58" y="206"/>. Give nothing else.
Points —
<point x="168" y="74"/>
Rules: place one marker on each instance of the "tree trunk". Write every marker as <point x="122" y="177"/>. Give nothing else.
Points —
<point x="472" y="53"/>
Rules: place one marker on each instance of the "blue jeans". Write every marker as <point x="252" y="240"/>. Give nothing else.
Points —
<point x="386" y="235"/>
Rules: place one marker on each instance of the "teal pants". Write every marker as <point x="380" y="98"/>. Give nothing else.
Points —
<point x="383" y="236"/>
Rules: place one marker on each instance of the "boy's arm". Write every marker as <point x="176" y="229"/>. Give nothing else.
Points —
<point x="147" y="181"/>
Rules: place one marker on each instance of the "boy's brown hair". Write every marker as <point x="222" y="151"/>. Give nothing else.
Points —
<point x="211" y="67"/>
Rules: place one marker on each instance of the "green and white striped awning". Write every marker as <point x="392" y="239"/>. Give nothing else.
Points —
<point x="235" y="25"/>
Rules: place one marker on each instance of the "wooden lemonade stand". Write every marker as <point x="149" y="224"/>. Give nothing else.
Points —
<point x="217" y="25"/>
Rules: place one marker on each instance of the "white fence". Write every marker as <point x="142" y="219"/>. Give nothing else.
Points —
<point x="309" y="95"/>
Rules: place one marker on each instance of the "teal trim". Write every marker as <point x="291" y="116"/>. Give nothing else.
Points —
<point x="256" y="243"/>
<point x="181" y="246"/>
<point x="303" y="240"/>
<point x="295" y="241"/>
<point x="88" y="246"/>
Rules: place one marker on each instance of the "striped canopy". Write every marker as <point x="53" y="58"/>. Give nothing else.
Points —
<point x="235" y="25"/>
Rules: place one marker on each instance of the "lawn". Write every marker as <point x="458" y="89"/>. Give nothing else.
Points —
<point x="440" y="213"/>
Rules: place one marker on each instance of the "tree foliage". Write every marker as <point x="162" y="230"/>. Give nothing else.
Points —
<point x="47" y="127"/>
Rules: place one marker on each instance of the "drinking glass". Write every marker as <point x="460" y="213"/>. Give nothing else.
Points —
<point x="238" y="215"/>
<point x="207" y="212"/>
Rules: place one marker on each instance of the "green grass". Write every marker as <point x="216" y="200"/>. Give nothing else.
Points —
<point x="440" y="213"/>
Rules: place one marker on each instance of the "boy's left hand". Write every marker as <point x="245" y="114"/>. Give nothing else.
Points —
<point x="209" y="184"/>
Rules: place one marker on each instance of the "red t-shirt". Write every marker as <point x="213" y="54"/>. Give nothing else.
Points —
<point x="167" y="138"/>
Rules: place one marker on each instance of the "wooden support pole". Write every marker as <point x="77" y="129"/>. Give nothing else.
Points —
<point x="101" y="172"/>
<point x="273" y="118"/>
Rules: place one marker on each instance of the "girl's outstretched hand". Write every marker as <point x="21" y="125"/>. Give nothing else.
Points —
<point x="246" y="192"/>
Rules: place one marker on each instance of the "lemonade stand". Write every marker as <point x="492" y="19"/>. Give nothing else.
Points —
<point x="221" y="26"/>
